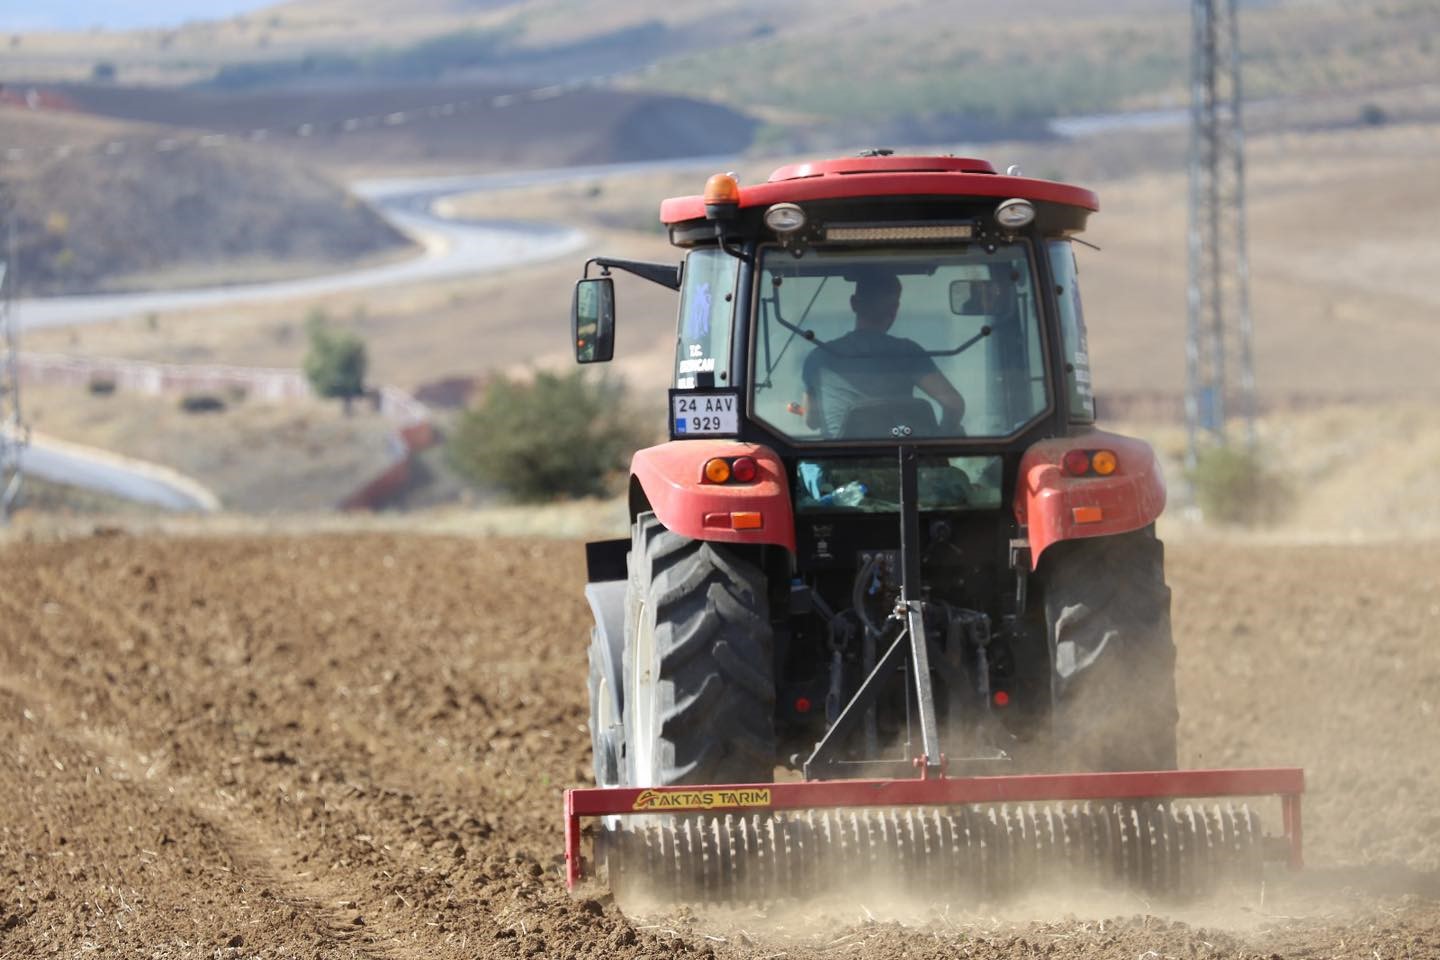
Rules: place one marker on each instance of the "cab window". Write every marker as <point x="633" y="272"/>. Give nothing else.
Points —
<point x="1072" y="330"/>
<point x="894" y="343"/>
<point x="707" y="308"/>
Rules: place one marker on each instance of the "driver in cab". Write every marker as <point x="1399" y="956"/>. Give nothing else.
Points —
<point x="868" y="369"/>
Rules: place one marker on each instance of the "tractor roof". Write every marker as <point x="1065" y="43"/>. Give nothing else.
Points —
<point x="854" y="178"/>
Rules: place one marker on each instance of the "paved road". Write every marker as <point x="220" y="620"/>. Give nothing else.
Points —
<point x="452" y="247"/>
<point x="62" y="464"/>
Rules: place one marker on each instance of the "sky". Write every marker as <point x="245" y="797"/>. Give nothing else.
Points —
<point x="22" y="15"/>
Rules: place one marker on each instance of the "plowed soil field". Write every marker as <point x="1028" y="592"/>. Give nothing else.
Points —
<point x="354" y="746"/>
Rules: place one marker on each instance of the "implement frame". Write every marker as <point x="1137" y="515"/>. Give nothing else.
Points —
<point x="1288" y="783"/>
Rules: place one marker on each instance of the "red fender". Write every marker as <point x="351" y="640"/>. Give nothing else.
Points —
<point x="671" y="474"/>
<point x="1055" y="506"/>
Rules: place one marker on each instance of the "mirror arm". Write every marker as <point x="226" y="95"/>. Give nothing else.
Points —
<point x="665" y="274"/>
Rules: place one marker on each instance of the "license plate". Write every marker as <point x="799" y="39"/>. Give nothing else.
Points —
<point x="704" y="414"/>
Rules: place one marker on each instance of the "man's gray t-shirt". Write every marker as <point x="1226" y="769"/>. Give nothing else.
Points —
<point x="863" y="366"/>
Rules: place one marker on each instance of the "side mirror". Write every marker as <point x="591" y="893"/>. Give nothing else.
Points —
<point x="592" y="320"/>
<point x="970" y="297"/>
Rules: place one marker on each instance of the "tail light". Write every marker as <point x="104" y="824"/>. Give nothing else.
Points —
<point x="1089" y="463"/>
<point x="1103" y="462"/>
<point x="1076" y="462"/>
<point x="731" y="470"/>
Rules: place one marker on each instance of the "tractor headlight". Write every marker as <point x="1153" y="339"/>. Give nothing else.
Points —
<point x="785" y="218"/>
<point x="1015" y="214"/>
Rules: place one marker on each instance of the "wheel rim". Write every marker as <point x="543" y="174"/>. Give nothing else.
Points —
<point x="605" y="747"/>
<point x="640" y="743"/>
<point x="605" y="708"/>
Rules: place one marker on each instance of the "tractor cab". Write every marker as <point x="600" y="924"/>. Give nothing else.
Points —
<point x="846" y="307"/>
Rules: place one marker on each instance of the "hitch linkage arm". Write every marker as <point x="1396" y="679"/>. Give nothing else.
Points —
<point x="909" y="616"/>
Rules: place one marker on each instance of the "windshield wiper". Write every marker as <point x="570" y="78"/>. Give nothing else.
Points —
<point x="795" y="330"/>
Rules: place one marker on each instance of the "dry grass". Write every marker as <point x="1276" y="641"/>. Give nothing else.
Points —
<point x="1348" y="472"/>
<point x="49" y="505"/>
<point x="1342" y="285"/>
<point x="255" y="456"/>
<point x="416" y="333"/>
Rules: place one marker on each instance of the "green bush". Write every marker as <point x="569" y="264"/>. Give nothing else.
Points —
<point x="557" y="435"/>
<point x="1234" y="487"/>
<point x="336" y="363"/>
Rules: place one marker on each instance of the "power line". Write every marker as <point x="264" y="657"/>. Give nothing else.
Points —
<point x="1219" y="364"/>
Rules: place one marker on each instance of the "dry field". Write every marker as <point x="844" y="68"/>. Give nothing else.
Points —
<point x="256" y="457"/>
<point x="416" y="333"/>
<point x="354" y="746"/>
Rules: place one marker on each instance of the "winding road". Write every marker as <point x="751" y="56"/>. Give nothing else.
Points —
<point x="450" y="248"/>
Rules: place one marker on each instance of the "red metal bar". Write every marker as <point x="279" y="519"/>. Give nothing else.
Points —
<point x="1290" y="806"/>
<point x="1287" y="782"/>
<point x="574" y="868"/>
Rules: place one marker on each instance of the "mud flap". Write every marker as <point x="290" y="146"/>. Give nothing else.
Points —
<point x="607" y="651"/>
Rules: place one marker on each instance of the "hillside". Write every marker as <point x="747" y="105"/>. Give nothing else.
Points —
<point x="864" y="69"/>
<point x="104" y="207"/>
<point x="449" y="126"/>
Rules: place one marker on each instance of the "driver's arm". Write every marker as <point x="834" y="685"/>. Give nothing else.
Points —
<point x="945" y="394"/>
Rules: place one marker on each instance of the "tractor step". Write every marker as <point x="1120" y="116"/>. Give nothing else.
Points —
<point x="962" y="839"/>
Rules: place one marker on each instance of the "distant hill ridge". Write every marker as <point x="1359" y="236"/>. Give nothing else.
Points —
<point x="581" y="125"/>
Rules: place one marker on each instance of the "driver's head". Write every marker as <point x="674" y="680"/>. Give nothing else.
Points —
<point x="876" y="300"/>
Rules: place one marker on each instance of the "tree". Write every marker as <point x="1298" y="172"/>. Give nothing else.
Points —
<point x="557" y="435"/>
<point x="336" y="363"/>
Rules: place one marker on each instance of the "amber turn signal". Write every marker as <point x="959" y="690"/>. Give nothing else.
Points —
<point x="717" y="470"/>
<point x="1103" y="462"/>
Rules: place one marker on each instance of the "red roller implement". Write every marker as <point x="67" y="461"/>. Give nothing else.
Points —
<point x="1288" y="783"/>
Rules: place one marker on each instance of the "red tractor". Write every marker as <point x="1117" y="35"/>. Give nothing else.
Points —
<point x="888" y="551"/>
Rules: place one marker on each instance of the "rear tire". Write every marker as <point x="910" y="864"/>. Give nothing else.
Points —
<point x="699" y="672"/>
<point x="1107" y="611"/>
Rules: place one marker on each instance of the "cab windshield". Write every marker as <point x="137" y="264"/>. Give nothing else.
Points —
<point x="898" y="343"/>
